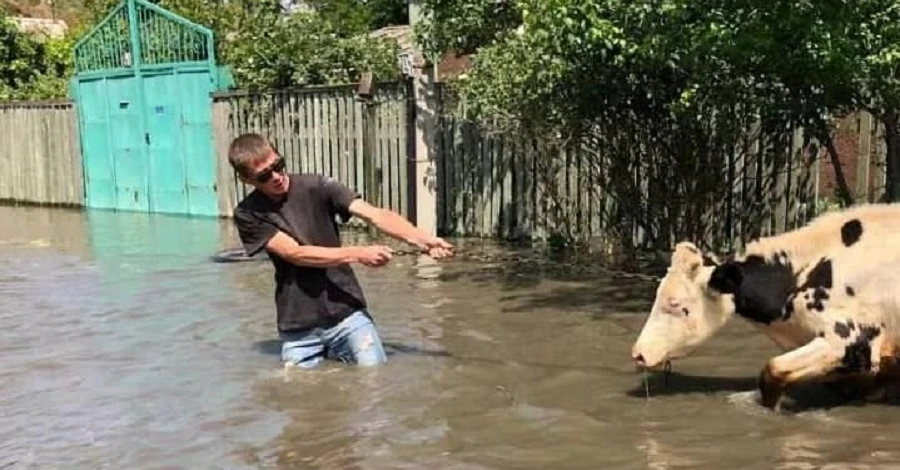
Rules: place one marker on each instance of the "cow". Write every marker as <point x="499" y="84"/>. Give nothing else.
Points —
<point x="827" y="294"/>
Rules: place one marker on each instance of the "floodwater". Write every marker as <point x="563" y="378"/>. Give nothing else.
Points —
<point x="124" y="346"/>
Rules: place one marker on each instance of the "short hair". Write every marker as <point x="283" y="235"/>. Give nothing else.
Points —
<point x="248" y="149"/>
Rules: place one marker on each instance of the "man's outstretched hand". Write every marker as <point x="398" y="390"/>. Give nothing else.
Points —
<point x="437" y="248"/>
<point x="376" y="256"/>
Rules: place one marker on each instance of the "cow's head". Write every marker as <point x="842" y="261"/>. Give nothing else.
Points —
<point x="686" y="311"/>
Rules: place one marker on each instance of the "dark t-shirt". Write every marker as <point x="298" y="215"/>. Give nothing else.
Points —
<point x="305" y="297"/>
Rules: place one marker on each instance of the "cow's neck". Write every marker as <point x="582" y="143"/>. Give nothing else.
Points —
<point x="769" y="278"/>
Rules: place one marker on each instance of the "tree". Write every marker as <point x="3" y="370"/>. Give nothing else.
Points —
<point x="564" y="62"/>
<point x="267" y="49"/>
<point x="31" y="68"/>
<point x="465" y="26"/>
<point x="264" y="47"/>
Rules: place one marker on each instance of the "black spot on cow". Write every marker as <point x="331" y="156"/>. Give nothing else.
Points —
<point x="857" y="358"/>
<point x="851" y="232"/>
<point x="821" y="334"/>
<point x="726" y="278"/>
<point x="851" y="325"/>
<point x="850" y="291"/>
<point x="858" y="354"/>
<point x="761" y="288"/>
<point x="686" y="311"/>
<point x="841" y="330"/>
<point x="869" y="332"/>
<point x="820" y="275"/>
<point x="820" y="294"/>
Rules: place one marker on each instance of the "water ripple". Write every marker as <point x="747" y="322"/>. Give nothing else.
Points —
<point x="124" y="347"/>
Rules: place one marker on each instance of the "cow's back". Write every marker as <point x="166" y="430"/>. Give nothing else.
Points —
<point x="855" y="254"/>
<point x="870" y="231"/>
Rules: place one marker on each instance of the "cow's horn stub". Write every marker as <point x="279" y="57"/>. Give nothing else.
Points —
<point x="686" y="258"/>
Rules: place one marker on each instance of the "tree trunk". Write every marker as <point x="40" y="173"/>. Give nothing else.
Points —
<point x="843" y="191"/>
<point x="892" y="159"/>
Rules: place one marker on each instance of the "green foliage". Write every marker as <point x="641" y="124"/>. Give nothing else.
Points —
<point x="667" y="92"/>
<point x="797" y="59"/>
<point x="464" y="26"/>
<point x="696" y="75"/>
<point x="269" y="50"/>
<point x="31" y="68"/>
<point x="264" y="47"/>
<point x="385" y="12"/>
<point x="326" y="45"/>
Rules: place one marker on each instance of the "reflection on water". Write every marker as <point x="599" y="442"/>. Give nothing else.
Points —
<point x="125" y="347"/>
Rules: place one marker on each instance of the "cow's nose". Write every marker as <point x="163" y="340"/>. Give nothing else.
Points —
<point x="638" y="358"/>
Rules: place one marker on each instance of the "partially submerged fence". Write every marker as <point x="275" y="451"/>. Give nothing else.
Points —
<point x="488" y="185"/>
<point x="621" y="185"/>
<point x="501" y="185"/>
<point x="40" y="157"/>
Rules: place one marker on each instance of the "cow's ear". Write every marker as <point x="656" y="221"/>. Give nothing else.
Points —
<point x="726" y="278"/>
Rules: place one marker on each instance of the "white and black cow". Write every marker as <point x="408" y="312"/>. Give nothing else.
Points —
<point x="827" y="294"/>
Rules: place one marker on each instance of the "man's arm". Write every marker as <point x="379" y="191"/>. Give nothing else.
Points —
<point x="390" y="223"/>
<point x="347" y="202"/>
<point x="323" y="257"/>
<point x="288" y="249"/>
<point x="257" y="234"/>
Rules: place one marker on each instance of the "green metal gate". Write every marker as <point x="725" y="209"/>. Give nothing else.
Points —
<point x="143" y="84"/>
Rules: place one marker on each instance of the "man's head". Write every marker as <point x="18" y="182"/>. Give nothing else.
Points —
<point x="258" y="164"/>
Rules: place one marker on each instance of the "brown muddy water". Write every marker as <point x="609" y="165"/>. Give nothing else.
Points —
<point x="123" y="346"/>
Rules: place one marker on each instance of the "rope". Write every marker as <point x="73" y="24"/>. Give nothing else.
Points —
<point x="517" y="260"/>
<point x="498" y="261"/>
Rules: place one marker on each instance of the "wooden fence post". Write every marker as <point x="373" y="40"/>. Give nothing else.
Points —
<point x="371" y="184"/>
<point x="423" y="196"/>
<point x="411" y="150"/>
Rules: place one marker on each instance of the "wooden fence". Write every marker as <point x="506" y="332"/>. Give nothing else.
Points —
<point x="506" y="187"/>
<point x="503" y="186"/>
<point x="326" y="130"/>
<point x="40" y="156"/>
<point x="488" y="185"/>
<point x="635" y="194"/>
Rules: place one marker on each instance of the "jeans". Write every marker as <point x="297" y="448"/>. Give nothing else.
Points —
<point x="353" y="341"/>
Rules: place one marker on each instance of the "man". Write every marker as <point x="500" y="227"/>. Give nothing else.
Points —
<point x="321" y="310"/>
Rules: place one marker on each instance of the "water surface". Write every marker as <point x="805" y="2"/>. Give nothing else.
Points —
<point x="124" y="347"/>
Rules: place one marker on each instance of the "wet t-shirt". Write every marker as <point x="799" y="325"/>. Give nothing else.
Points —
<point x="305" y="297"/>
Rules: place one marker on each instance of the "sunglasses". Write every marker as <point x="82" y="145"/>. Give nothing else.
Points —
<point x="265" y="175"/>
